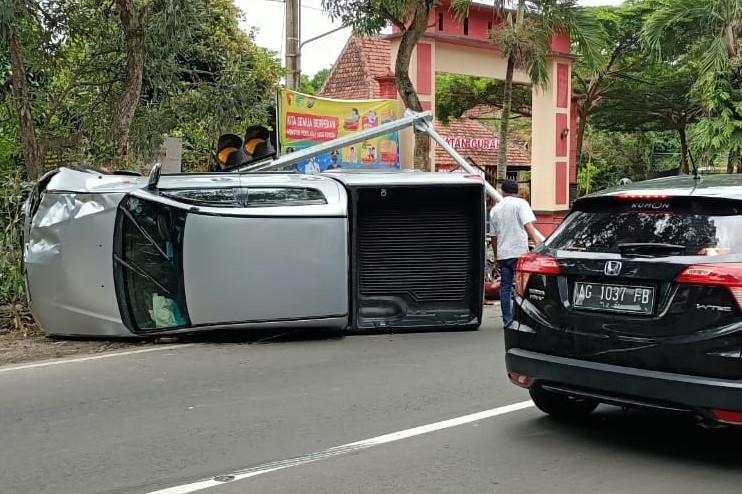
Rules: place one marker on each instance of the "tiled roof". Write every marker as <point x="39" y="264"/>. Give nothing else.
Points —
<point x="354" y="75"/>
<point x="482" y="111"/>
<point x="518" y="153"/>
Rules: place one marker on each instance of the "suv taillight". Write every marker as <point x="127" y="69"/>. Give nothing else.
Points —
<point x="728" y="275"/>
<point x="530" y="264"/>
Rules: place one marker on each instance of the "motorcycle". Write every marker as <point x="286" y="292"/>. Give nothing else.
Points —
<point x="491" y="280"/>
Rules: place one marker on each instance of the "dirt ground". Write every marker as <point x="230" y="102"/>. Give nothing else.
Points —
<point x="31" y="344"/>
<point x="16" y="348"/>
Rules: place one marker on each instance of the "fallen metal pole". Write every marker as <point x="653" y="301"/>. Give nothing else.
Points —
<point x="410" y="119"/>
<point x="422" y="122"/>
<point x="427" y="127"/>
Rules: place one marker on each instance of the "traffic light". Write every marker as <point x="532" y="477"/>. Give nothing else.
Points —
<point x="229" y="153"/>
<point x="257" y="143"/>
<point x="232" y="152"/>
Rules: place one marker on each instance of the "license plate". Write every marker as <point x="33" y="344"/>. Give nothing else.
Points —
<point x="615" y="298"/>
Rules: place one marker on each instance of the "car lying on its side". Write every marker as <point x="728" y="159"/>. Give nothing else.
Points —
<point x="636" y="300"/>
<point x="121" y="255"/>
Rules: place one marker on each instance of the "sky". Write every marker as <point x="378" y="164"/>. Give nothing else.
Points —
<point x="269" y="18"/>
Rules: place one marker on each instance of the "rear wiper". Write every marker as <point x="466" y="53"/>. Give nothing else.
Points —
<point x="649" y="249"/>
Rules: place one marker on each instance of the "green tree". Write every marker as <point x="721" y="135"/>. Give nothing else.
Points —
<point x="185" y="68"/>
<point x="314" y="84"/>
<point x="223" y="82"/>
<point x="455" y="94"/>
<point x="655" y="97"/>
<point x="55" y="40"/>
<point x="622" y="57"/>
<point x="411" y="18"/>
<point x="524" y="38"/>
<point x="612" y="156"/>
<point x="711" y="32"/>
<point x="141" y="53"/>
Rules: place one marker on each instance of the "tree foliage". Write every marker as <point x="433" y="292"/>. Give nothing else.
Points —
<point x="313" y="85"/>
<point x="621" y="57"/>
<point x="612" y="156"/>
<point x="709" y="32"/>
<point x="222" y="82"/>
<point x="455" y="94"/>
<point x="653" y="97"/>
<point x="106" y="80"/>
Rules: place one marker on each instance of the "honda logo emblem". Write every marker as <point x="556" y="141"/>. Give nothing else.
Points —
<point x="612" y="268"/>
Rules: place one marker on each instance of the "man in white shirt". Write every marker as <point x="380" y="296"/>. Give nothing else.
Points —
<point x="312" y="167"/>
<point x="511" y="224"/>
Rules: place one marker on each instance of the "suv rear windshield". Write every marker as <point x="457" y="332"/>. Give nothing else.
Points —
<point x="644" y="227"/>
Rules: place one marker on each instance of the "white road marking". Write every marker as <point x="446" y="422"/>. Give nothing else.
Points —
<point x="341" y="450"/>
<point x="74" y="360"/>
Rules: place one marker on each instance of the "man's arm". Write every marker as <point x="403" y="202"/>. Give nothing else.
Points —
<point x="533" y="234"/>
<point x="493" y="232"/>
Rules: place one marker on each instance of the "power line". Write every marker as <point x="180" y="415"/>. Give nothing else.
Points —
<point x="314" y="8"/>
<point x="318" y="9"/>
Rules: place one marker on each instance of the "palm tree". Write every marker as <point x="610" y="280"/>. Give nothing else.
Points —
<point x="709" y="31"/>
<point x="524" y="38"/>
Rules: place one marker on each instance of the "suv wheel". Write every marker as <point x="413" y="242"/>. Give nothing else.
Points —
<point x="562" y="406"/>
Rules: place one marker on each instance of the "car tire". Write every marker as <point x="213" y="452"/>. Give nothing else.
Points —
<point x="562" y="406"/>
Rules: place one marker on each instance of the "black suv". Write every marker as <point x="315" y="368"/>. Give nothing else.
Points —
<point x="636" y="300"/>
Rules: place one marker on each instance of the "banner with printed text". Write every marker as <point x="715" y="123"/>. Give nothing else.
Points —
<point x="306" y="120"/>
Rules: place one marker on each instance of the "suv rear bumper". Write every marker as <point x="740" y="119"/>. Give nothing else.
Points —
<point x="625" y="385"/>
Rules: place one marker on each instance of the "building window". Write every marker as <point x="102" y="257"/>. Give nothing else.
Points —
<point x="466" y="26"/>
<point x="440" y="22"/>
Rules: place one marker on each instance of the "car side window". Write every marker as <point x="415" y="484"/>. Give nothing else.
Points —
<point x="148" y="265"/>
<point x="248" y="197"/>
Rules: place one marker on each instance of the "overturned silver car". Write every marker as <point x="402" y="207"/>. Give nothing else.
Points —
<point x="124" y="255"/>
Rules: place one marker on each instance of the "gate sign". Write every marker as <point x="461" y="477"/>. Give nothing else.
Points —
<point x="306" y="120"/>
<point x="472" y="143"/>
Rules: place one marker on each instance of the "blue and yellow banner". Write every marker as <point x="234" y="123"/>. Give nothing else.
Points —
<point x="306" y="120"/>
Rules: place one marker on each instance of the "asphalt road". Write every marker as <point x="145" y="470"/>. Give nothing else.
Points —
<point x="355" y="414"/>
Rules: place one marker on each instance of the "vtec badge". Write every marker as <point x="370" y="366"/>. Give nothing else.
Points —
<point x="612" y="268"/>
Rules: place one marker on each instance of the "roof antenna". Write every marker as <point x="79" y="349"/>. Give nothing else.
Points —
<point x="695" y="168"/>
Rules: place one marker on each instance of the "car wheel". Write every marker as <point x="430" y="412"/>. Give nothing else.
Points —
<point x="562" y="406"/>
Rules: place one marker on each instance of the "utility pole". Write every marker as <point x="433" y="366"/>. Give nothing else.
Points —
<point x="292" y="44"/>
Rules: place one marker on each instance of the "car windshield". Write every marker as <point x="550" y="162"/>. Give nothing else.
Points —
<point x="652" y="228"/>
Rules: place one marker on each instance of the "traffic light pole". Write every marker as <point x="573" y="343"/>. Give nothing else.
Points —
<point x="292" y="44"/>
<point x="422" y="122"/>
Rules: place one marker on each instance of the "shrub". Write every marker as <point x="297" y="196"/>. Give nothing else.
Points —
<point x="13" y="191"/>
